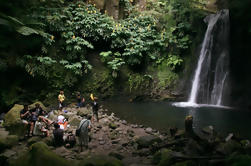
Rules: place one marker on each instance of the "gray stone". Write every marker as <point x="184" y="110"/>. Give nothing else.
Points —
<point x="146" y="141"/>
<point x="149" y="130"/>
<point x="124" y="122"/>
<point x="101" y="142"/>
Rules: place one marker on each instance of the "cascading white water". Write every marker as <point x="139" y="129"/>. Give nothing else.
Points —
<point x="211" y="74"/>
<point x="206" y="49"/>
<point x="213" y="92"/>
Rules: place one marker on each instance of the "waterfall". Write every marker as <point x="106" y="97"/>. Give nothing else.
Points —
<point x="211" y="74"/>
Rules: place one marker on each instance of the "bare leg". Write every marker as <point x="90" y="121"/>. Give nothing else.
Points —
<point x="31" y="127"/>
<point x="45" y="120"/>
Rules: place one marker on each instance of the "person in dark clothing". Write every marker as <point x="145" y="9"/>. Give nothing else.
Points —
<point x="58" y="135"/>
<point x="26" y="116"/>
<point x="80" y="100"/>
<point x="95" y="107"/>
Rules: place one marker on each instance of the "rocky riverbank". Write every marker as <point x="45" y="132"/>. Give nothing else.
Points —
<point x="116" y="142"/>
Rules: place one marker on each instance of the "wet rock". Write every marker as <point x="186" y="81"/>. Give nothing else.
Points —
<point x="146" y="141"/>
<point x="116" y="155"/>
<point x="39" y="154"/>
<point x="149" y="130"/>
<point x="101" y="161"/>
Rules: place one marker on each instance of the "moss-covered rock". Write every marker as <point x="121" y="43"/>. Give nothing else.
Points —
<point x="39" y="154"/>
<point x="33" y="140"/>
<point x="13" y="115"/>
<point x="163" y="158"/>
<point x="100" y="161"/>
<point x="41" y="105"/>
<point x="12" y="121"/>
<point x="8" y="142"/>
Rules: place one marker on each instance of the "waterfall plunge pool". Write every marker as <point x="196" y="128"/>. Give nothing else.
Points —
<point x="162" y="115"/>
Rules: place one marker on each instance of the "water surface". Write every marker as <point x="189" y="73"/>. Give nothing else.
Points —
<point x="162" y="115"/>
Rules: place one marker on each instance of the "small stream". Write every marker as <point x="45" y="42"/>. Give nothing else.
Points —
<point x="162" y="115"/>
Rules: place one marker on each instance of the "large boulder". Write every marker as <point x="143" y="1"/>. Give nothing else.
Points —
<point x="83" y="111"/>
<point x="148" y="140"/>
<point x="39" y="154"/>
<point x="8" y="142"/>
<point x="41" y="105"/>
<point x="74" y="121"/>
<point x="12" y="121"/>
<point x="100" y="161"/>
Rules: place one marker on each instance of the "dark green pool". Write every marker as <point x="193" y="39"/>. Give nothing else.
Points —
<point x="162" y="115"/>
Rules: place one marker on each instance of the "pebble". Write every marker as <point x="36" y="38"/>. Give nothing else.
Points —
<point x="124" y="122"/>
<point x="101" y="142"/>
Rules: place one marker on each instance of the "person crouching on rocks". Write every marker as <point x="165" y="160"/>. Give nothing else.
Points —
<point x="84" y="126"/>
<point x="58" y="135"/>
<point x="95" y="107"/>
<point x="25" y="116"/>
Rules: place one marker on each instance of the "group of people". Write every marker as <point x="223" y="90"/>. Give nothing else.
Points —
<point x="30" y="117"/>
<point x="37" y="114"/>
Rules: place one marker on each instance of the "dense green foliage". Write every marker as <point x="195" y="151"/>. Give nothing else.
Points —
<point x="56" y="40"/>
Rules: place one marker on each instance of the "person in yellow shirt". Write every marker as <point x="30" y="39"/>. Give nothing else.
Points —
<point x="61" y="99"/>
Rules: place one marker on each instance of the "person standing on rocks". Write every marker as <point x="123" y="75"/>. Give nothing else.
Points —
<point x="84" y="126"/>
<point x="61" y="99"/>
<point x="95" y="107"/>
